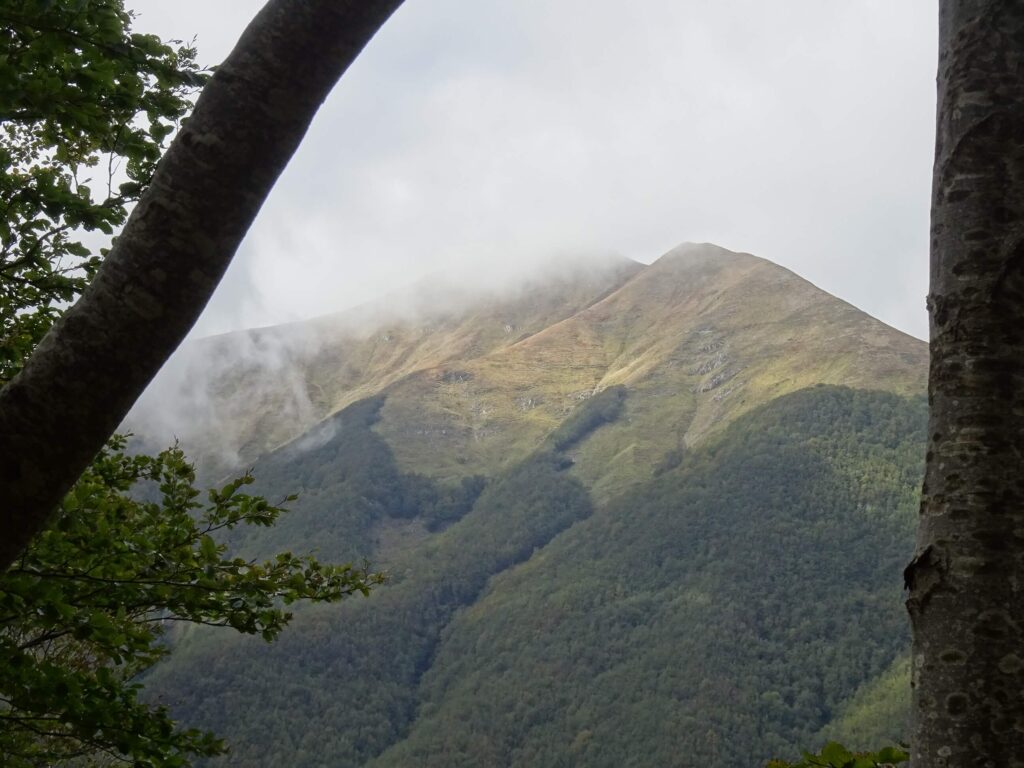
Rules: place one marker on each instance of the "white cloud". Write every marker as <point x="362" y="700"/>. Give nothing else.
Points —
<point x="479" y="132"/>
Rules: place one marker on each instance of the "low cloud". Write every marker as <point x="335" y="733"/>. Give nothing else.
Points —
<point x="471" y="134"/>
<point x="229" y="398"/>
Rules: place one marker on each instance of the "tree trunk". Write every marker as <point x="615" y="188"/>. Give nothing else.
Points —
<point x="85" y="375"/>
<point x="967" y="580"/>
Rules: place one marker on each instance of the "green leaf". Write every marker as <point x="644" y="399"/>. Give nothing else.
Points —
<point x="892" y="755"/>
<point x="836" y="754"/>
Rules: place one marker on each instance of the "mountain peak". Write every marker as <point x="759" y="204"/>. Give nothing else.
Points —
<point x="692" y="250"/>
<point x="693" y="254"/>
<point x="701" y="336"/>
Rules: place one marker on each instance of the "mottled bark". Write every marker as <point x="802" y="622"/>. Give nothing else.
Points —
<point x="967" y="580"/>
<point x="161" y="271"/>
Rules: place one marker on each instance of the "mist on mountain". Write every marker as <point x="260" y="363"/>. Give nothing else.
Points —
<point x="662" y="505"/>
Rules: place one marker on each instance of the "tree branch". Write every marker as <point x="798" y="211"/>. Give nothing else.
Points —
<point x="88" y="371"/>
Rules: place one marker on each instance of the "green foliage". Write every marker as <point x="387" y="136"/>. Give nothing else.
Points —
<point x="284" y="701"/>
<point x="603" y="408"/>
<point x="718" y="612"/>
<point x="350" y="483"/>
<point x="835" y="755"/>
<point x="726" y="611"/>
<point x="440" y="507"/>
<point x="877" y="713"/>
<point x="82" y="613"/>
<point x="86" y="106"/>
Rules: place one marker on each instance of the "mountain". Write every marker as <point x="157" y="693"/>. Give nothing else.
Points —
<point x="231" y="398"/>
<point x="634" y="515"/>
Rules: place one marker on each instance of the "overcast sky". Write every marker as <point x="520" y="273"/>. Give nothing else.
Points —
<point x="477" y="133"/>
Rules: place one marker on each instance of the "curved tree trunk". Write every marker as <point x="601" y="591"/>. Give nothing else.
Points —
<point x="967" y="580"/>
<point x="85" y="375"/>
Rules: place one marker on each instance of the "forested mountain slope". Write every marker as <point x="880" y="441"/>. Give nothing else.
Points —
<point x="722" y="613"/>
<point x="661" y="525"/>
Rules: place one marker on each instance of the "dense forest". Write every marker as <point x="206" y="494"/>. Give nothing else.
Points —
<point x="375" y="651"/>
<point x="738" y="606"/>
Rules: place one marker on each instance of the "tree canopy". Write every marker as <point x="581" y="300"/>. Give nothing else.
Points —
<point x="130" y="553"/>
<point x="82" y="378"/>
<point x="86" y="106"/>
<point x="85" y="609"/>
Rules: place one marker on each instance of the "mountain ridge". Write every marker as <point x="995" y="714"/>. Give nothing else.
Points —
<point x="638" y="337"/>
<point x="622" y="323"/>
<point x="650" y="517"/>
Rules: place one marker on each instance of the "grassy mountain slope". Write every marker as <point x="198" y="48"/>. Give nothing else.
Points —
<point x="700" y="336"/>
<point x="626" y="526"/>
<point x="474" y="382"/>
<point x="232" y="398"/>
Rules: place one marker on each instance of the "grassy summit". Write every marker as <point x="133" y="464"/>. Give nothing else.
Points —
<point x="475" y="381"/>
